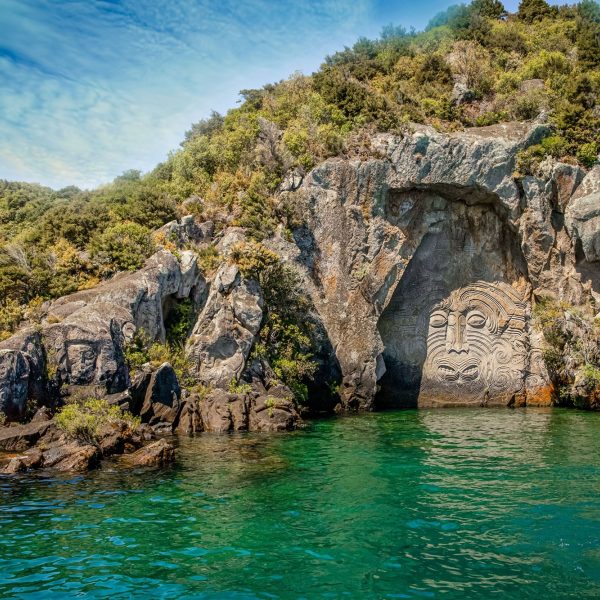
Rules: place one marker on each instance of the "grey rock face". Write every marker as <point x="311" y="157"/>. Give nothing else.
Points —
<point x="226" y="328"/>
<point x="187" y="230"/>
<point x="422" y="263"/>
<point x="583" y="215"/>
<point x="461" y="93"/>
<point x="22" y="373"/>
<point x="423" y="266"/>
<point x="143" y="294"/>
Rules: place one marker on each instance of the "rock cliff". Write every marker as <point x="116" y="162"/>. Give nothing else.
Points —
<point x="422" y="261"/>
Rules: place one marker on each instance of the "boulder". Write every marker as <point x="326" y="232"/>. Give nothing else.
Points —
<point x="115" y="437"/>
<point x="225" y="412"/>
<point x="187" y="231"/>
<point x="461" y="94"/>
<point x="226" y="328"/>
<point x="162" y="400"/>
<point x="215" y="411"/>
<point x="273" y="413"/>
<point x="32" y="459"/>
<point x="42" y="414"/>
<point x="70" y="455"/>
<point x="156" y="454"/>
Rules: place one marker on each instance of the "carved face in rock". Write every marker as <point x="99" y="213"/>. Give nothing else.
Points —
<point x="476" y="345"/>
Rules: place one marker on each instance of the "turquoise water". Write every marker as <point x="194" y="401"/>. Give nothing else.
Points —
<point x="430" y="504"/>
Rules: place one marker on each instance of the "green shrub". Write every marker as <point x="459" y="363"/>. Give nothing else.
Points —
<point x="587" y="154"/>
<point x="493" y="9"/>
<point x="236" y="387"/>
<point x="143" y="351"/>
<point x="208" y="259"/>
<point x="84" y="420"/>
<point x="124" y="246"/>
<point x="252" y="258"/>
<point x="179" y="322"/>
<point x="491" y="118"/>
<point x="11" y="314"/>
<point x="285" y="337"/>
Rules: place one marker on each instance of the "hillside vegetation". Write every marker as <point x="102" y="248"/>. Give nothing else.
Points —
<point x="472" y="66"/>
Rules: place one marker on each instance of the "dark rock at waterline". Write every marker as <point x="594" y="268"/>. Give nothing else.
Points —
<point x="273" y="413"/>
<point x="71" y="455"/>
<point x="223" y="412"/>
<point x="190" y="417"/>
<point x="162" y="399"/>
<point x="19" y="464"/>
<point x="156" y="454"/>
<point x="60" y="455"/>
<point x="44" y="446"/>
<point x="21" y="437"/>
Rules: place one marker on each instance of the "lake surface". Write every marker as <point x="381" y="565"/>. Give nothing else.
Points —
<point x="416" y="504"/>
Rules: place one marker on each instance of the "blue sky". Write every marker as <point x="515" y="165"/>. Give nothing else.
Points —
<point x="90" y="88"/>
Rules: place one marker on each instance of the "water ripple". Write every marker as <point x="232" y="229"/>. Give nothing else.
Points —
<point x="431" y="504"/>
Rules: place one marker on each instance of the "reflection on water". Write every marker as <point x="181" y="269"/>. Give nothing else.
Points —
<point x="444" y="503"/>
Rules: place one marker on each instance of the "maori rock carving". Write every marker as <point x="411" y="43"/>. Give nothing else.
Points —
<point x="476" y="346"/>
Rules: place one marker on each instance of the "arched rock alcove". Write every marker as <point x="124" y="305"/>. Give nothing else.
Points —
<point x="455" y="329"/>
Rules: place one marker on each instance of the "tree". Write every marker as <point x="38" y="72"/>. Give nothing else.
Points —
<point x="534" y="10"/>
<point x="588" y="10"/>
<point x="204" y="126"/>
<point x="455" y="16"/>
<point x="129" y="175"/>
<point x="588" y="34"/>
<point x="588" y="45"/>
<point x="492" y="9"/>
